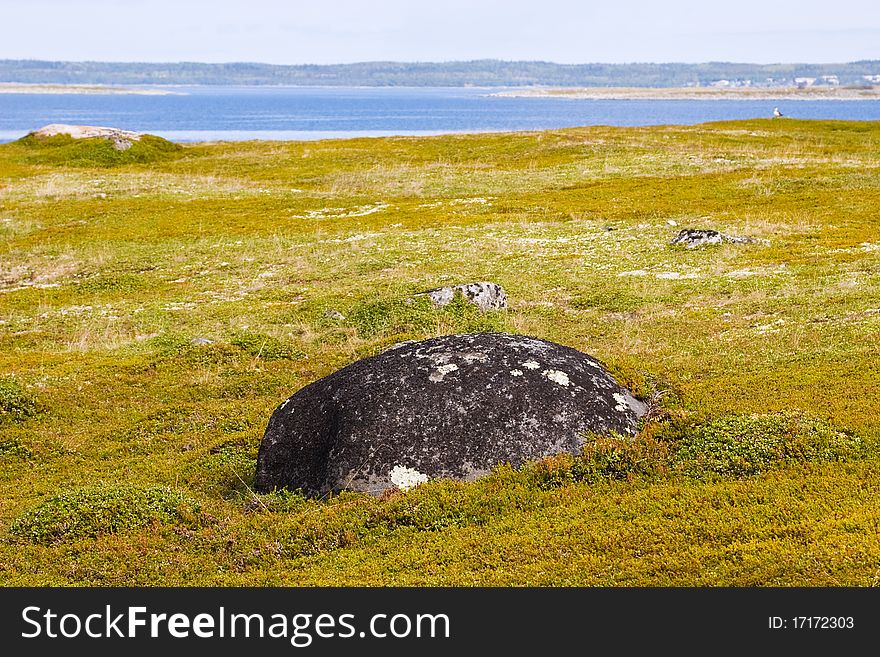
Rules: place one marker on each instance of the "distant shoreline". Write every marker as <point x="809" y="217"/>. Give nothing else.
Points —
<point x="19" y="88"/>
<point x="573" y="93"/>
<point x="696" y="93"/>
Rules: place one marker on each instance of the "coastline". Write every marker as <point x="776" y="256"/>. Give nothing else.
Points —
<point x="96" y="89"/>
<point x="696" y="93"/>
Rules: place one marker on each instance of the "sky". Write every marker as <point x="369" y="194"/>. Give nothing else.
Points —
<point x="342" y="31"/>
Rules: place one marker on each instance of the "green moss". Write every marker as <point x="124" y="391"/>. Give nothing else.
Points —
<point x="86" y="513"/>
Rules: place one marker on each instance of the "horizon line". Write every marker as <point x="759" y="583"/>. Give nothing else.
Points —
<point x="440" y="62"/>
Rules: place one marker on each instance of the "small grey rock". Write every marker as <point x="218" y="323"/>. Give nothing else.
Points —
<point x="199" y="342"/>
<point x="453" y="406"/>
<point x="334" y="314"/>
<point x="485" y="295"/>
<point x="694" y="237"/>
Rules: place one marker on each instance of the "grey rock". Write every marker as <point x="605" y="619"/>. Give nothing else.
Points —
<point x="452" y="406"/>
<point x="122" y="139"/>
<point x="485" y="295"/>
<point x="334" y="314"/>
<point x="199" y="342"/>
<point x="694" y="237"/>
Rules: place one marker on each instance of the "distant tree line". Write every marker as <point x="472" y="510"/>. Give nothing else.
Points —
<point x="490" y="73"/>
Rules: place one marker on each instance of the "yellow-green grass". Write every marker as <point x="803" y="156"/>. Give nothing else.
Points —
<point x="110" y="266"/>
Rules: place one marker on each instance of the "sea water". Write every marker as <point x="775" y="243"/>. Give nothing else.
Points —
<point x="215" y="113"/>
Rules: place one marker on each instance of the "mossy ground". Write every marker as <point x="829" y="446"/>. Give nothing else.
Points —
<point x="110" y="268"/>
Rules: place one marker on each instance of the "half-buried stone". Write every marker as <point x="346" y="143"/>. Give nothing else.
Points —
<point x="485" y="295"/>
<point x="453" y="406"/>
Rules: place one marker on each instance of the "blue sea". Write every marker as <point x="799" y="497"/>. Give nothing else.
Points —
<point x="307" y="113"/>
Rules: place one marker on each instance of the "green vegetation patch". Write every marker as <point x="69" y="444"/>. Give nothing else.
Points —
<point x="733" y="446"/>
<point x="265" y="347"/>
<point x="412" y="317"/>
<point x="16" y="404"/>
<point x="743" y="445"/>
<point x="13" y="447"/>
<point x="95" y="152"/>
<point x="111" y="283"/>
<point x="89" y="512"/>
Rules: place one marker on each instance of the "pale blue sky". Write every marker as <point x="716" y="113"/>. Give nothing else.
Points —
<point x="330" y="31"/>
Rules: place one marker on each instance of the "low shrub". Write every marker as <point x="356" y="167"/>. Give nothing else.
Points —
<point x="13" y="447"/>
<point x="743" y="445"/>
<point x="732" y="445"/>
<point x="107" y="509"/>
<point x="16" y="404"/>
<point x="603" y="458"/>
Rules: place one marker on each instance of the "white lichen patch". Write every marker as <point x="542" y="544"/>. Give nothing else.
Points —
<point x="516" y="373"/>
<point x="772" y="327"/>
<point x="557" y="376"/>
<point x="405" y="478"/>
<point x="343" y="213"/>
<point x="621" y="404"/>
<point x="531" y="365"/>
<point x="437" y="375"/>
<point x="477" y="200"/>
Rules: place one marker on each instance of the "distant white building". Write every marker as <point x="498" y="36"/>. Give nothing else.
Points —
<point x="805" y="82"/>
<point x="831" y="79"/>
<point x="731" y="83"/>
<point x="873" y="79"/>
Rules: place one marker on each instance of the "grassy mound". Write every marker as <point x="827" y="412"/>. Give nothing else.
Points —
<point x="89" y="512"/>
<point x="95" y="152"/>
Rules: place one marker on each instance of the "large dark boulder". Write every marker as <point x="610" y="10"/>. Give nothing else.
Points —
<point x="452" y="406"/>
